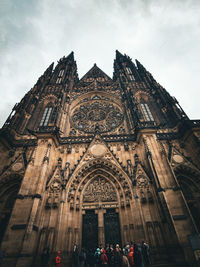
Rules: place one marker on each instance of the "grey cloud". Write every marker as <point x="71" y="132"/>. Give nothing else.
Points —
<point x="164" y="35"/>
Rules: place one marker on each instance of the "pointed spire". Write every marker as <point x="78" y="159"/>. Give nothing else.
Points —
<point x="118" y="55"/>
<point x="49" y="70"/>
<point x="139" y="65"/>
<point x="65" y="59"/>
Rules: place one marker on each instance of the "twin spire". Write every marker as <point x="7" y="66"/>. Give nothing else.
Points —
<point x="95" y="71"/>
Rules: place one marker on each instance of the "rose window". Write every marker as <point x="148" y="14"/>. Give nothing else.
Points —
<point x="96" y="116"/>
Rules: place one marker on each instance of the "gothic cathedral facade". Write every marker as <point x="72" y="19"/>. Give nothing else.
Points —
<point x="98" y="160"/>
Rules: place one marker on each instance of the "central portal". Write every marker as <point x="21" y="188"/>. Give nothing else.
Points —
<point x="92" y="232"/>
<point x="100" y="223"/>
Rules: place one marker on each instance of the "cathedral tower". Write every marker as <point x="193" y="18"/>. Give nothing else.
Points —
<point x="98" y="160"/>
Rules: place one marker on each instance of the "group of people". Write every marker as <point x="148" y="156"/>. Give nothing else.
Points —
<point x="131" y="255"/>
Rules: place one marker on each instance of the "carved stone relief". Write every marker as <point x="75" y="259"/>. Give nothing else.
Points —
<point x="99" y="190"/>
<point x="142" y="182"/>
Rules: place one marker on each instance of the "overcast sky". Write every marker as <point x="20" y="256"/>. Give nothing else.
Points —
<point x="164" y="35"/>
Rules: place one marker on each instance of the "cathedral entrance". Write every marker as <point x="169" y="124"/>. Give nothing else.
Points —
<point x="112" y="227"/>
<point x="100" y="228"/>
<point x="90" y="230"/>
<point x="100" y="221"/>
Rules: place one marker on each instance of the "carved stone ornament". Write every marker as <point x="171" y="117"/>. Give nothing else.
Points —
<point x="178" y="158"/>
<point x="99" y="190"/>
<point x="142" y="182"/>
<point x="17" y="166"/>
<point x="93" y="116"/>
<point x="55" y="186"/>
<point x="98" y="150"/>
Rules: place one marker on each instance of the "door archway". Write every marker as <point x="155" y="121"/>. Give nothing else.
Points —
<point x="101" y="191"/>
<point x="9" y="190"/>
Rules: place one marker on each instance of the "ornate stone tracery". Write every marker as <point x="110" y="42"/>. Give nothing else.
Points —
<point x="115" y="182"/>
<point x="99" y="114"/>
<point x="99" y="189"/>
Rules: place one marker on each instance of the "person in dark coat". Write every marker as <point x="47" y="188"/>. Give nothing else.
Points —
<point x="45" y="257"/>
<point x="112" y="258"/>
<point x="82" y="258"/>
<point x="90" y="258"/>
<point x="145" y="254"/>
<point x="118" y="257"/>
<point x="137" y="256"/>
<point x="75" y="255"/>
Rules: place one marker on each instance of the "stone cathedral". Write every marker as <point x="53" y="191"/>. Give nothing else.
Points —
<point x="99" y="160"/>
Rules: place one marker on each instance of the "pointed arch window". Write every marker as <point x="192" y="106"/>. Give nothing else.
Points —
<point x="46" y="115"/>
<point x="128" y="70"/>
<point x="146" y="112"/>
<point x="60" y="75"/>
<point x="131" y="77"/>
<point x="130" y="74"/>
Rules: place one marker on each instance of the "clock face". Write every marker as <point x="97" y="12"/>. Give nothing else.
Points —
<point x="96" y="116"/>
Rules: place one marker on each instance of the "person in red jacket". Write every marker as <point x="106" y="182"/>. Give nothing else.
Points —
<point x="103" y="258"/>
<point x="130" y="257"/>
<point x="58" y="259"/>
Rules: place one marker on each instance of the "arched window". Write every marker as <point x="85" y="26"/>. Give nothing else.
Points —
<point x="60" y="75"/>
<point x="190" y="186"/>
<point x="46" y="115"/>
<point x="146" y="112"/>
<point x="130" y="74"/>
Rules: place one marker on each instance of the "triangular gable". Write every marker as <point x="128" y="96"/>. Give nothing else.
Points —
<point x="97" y="149"/>
<point x="140" y="171"/>
<point x="17" y="165"/>
<point x="179" y="158"/>
<point x="95" y="72"/>
<point x="56" y="176"/>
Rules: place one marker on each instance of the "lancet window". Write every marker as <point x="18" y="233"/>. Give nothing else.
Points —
<point x="146" y="112"/>
<point x="46" y="115"/>
<point x="130" y="74"/>
<point x="60" y="75"/>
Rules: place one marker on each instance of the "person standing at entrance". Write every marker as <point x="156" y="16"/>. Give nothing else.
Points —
<point x="137" y="256"/>
<point x="131" y="257"/>
<point x="103" y="258"/>
<point x="145" y="254"/>
<point x="82" y="258"/>
<point x="75" y="256"/>
<point x="58" y="259"/>
<point x="118" y="256"/>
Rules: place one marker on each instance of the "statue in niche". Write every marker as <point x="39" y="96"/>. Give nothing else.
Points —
<point x="99" y="190"/>
<point x="142" y="182"/>
<point x="53" y="194"/>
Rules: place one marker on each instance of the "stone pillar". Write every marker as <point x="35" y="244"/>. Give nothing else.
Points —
<point x="22" y="231"/>
<point x="172" y="195"/>
<point x="101" y="235"/>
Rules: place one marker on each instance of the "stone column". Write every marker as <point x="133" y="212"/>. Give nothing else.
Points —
<point x="167" y="187"/>
<point x="101" y="235"/>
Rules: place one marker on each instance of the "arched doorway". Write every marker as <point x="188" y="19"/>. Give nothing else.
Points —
<point x="189" y="182"/>
<point x="101" y="192"/>
<point x="99" y="203"/>
<point x="9" y="190"/>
